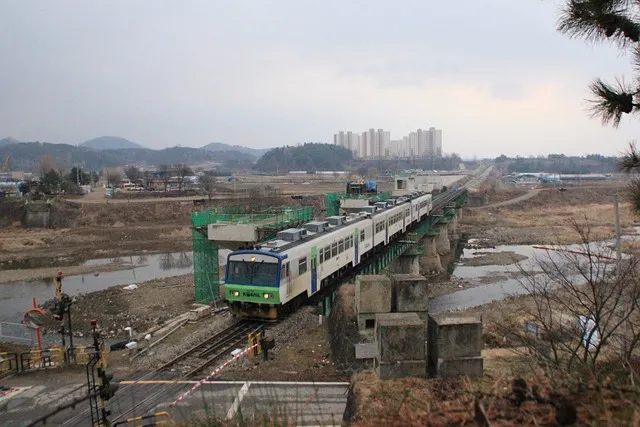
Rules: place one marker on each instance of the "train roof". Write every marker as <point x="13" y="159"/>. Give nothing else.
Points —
<point x="278" y="245"/>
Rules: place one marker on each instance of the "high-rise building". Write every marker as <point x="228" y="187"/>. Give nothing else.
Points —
<point x="376" y="144"/>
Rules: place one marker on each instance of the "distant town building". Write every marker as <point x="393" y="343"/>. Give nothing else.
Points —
<point x="377" y="144"/>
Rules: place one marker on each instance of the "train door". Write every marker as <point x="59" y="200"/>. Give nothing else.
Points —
<point x="386" y="231"/>
<point x="314" y="270"/>
<point x="285" y="274"/>
<point x="356" y="237"/>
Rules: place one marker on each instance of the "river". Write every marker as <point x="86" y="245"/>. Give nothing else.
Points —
<point x="17" y="297"/>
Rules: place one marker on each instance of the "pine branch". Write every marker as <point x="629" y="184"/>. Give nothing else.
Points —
<point x="611" y="102"/>
<point x="599" y="20"/>
<point x="633" y="194"/>
<point x="630" y="161"/>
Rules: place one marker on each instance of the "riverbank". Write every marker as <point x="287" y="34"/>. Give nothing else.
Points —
<point x="546" y="218"/>
<point x="151" y="303"/>
<point x="37" y="248"/>
<point x="29" y="275"/>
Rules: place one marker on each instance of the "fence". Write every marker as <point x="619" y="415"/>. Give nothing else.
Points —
<point x="16" y="333"/>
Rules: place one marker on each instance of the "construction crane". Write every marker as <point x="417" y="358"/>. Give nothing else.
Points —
<point x="4" y="167"/>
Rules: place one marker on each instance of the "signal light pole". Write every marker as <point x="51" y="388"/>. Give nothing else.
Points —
<point x="105" y="389"/>
<point x="63" y="305"/>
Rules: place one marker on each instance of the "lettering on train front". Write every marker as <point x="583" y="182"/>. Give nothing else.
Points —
<point x="251" y="294"/>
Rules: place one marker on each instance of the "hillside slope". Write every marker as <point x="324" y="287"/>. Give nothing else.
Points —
<point x="27" y="156"/>
<point x="110" y="143"/>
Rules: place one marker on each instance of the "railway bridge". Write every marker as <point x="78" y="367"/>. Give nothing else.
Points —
<point x="418" y="248"/>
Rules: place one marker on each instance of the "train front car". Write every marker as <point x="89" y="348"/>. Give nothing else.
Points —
<point x="252" y="283"/>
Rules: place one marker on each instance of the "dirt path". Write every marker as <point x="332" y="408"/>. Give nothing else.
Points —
<point x="528" y="195"/>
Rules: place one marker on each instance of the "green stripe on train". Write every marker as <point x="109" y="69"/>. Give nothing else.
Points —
<point x="255" y="294"/>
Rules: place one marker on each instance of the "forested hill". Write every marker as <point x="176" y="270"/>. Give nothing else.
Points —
<point x="310" y="157"/>
<point x="27" y="156"/>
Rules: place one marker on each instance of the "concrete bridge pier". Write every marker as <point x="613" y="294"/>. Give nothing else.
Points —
<point x="406" y="264"/>
<point x="431" y="260"/>
<point x="443" y="246"/>
<point x="453" y="229"/>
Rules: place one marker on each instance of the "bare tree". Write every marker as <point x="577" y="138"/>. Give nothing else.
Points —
<point x="46" y="165"/>
<point x="166" y="171"/>
<point x="113" y="176"/>
<point x="583" y="306"/>
<point x="133" y="173"/>
<point x="147" y="176"/>
<point x="208" y="183"/>
<point x="182" y="170"/>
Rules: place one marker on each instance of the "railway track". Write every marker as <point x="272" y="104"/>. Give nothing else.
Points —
<point x="192" y="362"/>
<point x="211" y="350"/>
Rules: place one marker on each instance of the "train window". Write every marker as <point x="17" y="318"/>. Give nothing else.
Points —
<point x="362" y="236"/>
<point x="341" y="246"/>
<point x="327" y="253"/>
<point x="334" y="249"/>
<point x="350" y="241"/>
<point x="302" y="265"/>
<point x="321" y="256"/>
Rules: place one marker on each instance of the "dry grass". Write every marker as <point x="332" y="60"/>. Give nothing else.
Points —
<point x="533" y="400"/>
<point x="546" y="218"/>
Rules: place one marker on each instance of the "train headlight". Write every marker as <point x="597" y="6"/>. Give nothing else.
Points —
<point x="235" y="293"/>
<point x="253" y="259"/>
<point x="267" y="296"/>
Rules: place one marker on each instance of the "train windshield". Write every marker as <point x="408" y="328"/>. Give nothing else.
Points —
<point x="253" y="273"/>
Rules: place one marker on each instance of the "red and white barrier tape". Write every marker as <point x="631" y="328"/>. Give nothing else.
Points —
<point x="213" y="374"/>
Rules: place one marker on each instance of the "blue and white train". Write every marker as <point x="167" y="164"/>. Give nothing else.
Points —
<point x="276" y="276"/>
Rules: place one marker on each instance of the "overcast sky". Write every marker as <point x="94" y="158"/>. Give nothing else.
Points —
<point x="493" y="74"/>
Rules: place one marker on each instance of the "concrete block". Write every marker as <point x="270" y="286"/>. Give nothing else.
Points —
<point x="199" y="312"/>
<point x="366" y="322"/>
<point x="402" y="369"/>
<point x="460" y="366"/>
<point x="412" y="293"/>
<point x="373" y="294"/>
<point x="453" y="337"/>
<point x="400" y="336"/>
<point x="366" y="353"/>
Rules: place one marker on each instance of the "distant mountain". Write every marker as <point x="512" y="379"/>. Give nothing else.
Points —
<point x="8" y="141"/>
<point x="308" y="157"/>
<point x="221" y="146"/>
<point x="110" y="143"/>
<point x="27" y="156"/>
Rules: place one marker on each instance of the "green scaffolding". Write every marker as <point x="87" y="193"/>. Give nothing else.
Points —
<point x="206" y="272"/>
<point x="269" y="220"/>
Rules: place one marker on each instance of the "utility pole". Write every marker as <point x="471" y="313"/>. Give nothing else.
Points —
<point x="617" y="214"/>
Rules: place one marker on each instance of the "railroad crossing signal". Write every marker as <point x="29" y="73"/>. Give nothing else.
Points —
<point x="107" y="389"/>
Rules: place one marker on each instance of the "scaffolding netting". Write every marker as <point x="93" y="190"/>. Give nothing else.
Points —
<point x="268" y="220"/>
